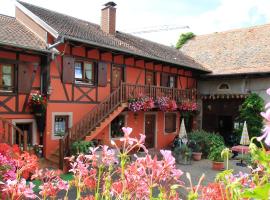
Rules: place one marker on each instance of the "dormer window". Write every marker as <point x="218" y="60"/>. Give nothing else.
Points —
<point x="224" y="86"/>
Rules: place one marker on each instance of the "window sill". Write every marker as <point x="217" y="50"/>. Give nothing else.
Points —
<point x="7" y="92"/>
<point x="116" y="138"/>
<point x="82" y="84"/>
<point x="171" y="133"/>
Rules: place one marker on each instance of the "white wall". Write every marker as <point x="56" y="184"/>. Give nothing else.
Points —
<point x="237" y="86"/>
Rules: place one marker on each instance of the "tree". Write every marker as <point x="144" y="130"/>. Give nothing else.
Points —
<point x="184" y="37"/>
<point x="250" y="112"/>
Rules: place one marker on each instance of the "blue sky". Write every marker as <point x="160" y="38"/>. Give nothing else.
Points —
<point x="202" y="16"/>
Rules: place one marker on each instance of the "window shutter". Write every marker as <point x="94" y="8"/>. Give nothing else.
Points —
<point x="102" y="74"/>
<point x="68" y="69"/>
<point x="164" y="79"/>
<point x="24" y="79"/>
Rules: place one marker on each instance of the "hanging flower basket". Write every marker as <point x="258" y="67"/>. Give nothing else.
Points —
<point x="37" y="104"/>
<point x="141" y="104"/>
<point x="188" y="106"/>
<point x="165" y="104"/>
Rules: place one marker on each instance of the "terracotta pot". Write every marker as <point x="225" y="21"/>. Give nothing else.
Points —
<point x="217" y="165"/>
<point x="197" y="156"/>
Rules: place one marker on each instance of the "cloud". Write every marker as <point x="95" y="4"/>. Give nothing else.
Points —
<point x="134" y="15"/>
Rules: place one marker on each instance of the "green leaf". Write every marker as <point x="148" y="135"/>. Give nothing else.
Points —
<point x="259" y="192"/>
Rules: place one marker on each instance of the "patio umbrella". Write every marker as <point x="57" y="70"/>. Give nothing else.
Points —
<point x="182" y="132"/>
<point x="244" y="141"/>
<point x="245" y="138"/>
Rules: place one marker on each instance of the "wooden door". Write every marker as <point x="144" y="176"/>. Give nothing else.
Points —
<point x="117" y="76"/>
<point x="150" y="130"/>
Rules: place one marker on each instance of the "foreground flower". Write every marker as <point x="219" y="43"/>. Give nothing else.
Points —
<point x="19" y="189"/>
<point x="51" y="182"/>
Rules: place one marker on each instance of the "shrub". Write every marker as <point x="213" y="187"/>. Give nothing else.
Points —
<point x="206" y="140"/>
<point x="184" y="37"/>
<point x="81" y="146"/>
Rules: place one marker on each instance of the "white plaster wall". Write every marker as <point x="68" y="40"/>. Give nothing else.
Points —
<point x="237" y="86"/>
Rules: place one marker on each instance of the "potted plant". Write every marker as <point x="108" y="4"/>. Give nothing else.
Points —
<point x="196" y="150"/>
<point x="183" y="154"/>
<point x="215" y="156"/>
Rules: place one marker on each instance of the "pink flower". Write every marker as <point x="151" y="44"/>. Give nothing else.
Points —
<point x="265" y="136"/>
<point x="266" y="114"/>
<point x="18" y="189"/>
<point x="127" y="130"/>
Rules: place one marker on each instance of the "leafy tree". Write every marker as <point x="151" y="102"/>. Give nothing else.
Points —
<point x="184" y="37"/>
<point x="250" y="112"/>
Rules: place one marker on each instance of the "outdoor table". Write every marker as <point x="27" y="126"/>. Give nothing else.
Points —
<point x="243" y="150"/>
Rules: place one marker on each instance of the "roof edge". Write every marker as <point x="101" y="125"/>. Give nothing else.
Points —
<point x="36" y="19"/>
<point x="130" y="52"/>
<point x="25" y="47"/>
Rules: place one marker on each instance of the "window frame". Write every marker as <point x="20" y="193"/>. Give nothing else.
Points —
<point x="84" y="80"/>
<point x="174" y="81"/>
<point x="69" y="116"/>
<point x="223" y="89"/>
<point x="176" y="123"/>
<point x="10" y="89"/>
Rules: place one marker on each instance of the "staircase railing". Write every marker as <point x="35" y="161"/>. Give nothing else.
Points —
<point x="6" y="131"/>
<point x="102" y="110"/>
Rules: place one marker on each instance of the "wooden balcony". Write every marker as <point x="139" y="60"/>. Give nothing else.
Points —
<point x="179" y="95"/>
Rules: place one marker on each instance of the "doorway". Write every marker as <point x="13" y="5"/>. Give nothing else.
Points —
<point x="117" y="76"/>
<point x="150" y="130"/>
<point x="24" y="127"/>
<point x="225" y="127"/>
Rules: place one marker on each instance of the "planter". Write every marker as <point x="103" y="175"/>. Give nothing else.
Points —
<point x="217" y="165"/>
<point x="197" y="156"/>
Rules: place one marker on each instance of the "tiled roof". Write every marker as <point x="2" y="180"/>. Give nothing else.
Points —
<point x="71" y="27"/>
<point x="239" y="51"/>
<point x="13" y="33"/>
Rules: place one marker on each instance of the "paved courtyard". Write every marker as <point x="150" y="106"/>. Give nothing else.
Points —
<point x="197" y="168"/>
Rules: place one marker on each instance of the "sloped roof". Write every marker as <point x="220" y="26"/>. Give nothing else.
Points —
<point x="73" y="28"/>
<point x="239" y="51"/>
<point x="13" y="33"/>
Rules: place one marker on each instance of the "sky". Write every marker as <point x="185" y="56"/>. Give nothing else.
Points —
<point x="202" y="16"/>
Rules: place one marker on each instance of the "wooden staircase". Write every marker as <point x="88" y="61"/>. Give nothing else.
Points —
<point x="103" y="113"/>
<point x="94" y="133"/>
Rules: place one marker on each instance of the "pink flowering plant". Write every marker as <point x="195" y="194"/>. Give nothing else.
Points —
<point x="188" y="106"/>
<point x="142" y="103"/>
<point x="166" y="104"/>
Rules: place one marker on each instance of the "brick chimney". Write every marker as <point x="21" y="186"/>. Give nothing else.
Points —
<point x="108" y="18"/>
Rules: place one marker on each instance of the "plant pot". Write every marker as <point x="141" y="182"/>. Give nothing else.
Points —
<point x="217" y="165"/>
<point x="197" y="156"/>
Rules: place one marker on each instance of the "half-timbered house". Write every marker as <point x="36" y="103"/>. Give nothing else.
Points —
<point x="91" y="72"/>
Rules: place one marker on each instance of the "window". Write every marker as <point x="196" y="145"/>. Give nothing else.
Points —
<point x="172" y="82"/>
<point x="84" y="72"/>
<point x="224" y="86"/>
<point x="116" y="126"/>
<point x="60" y="125"/>
<point x="170" y="122"/>
<point x="6" y="77"/>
